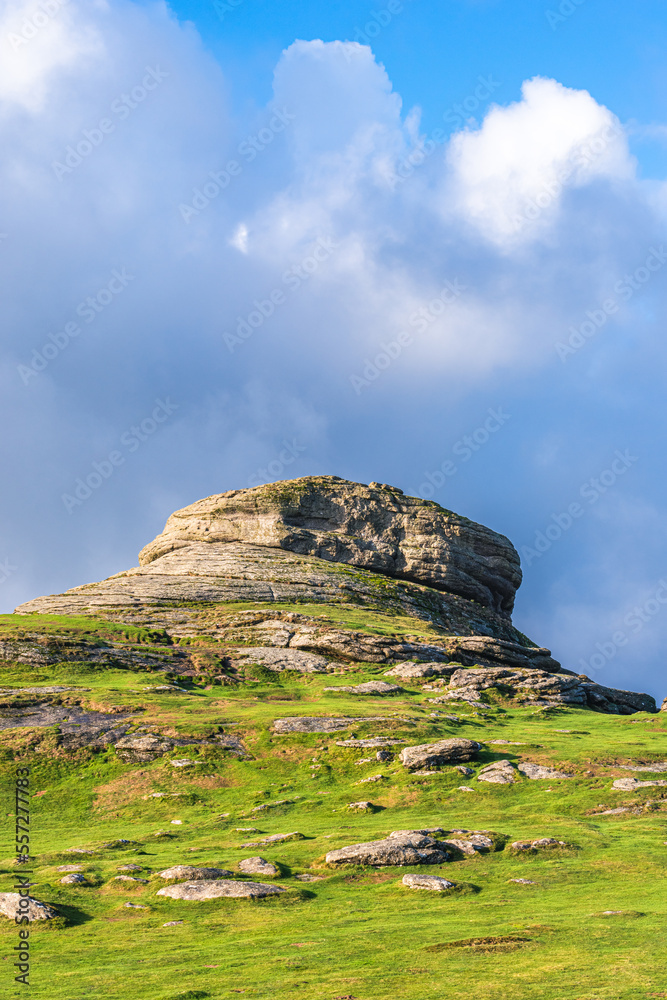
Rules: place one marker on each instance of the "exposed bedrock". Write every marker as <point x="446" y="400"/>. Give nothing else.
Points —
<point x="373" y="527"/>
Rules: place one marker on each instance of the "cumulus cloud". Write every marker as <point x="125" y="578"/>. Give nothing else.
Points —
<point x="280" y="277"/>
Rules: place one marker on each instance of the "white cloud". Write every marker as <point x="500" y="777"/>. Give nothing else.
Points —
<point x="514" y="168"/>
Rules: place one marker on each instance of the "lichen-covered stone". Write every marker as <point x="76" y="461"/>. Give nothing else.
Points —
<point x="451" y="751"/>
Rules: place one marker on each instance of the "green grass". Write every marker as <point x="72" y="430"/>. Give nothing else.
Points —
<point x="357" y="932"/>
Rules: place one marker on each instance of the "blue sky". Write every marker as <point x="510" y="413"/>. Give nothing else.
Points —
<point x="252" y="247"/>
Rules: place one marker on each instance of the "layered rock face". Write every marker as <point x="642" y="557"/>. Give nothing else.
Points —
<point x="322" y="540"/>
<point x="373" y="527"/>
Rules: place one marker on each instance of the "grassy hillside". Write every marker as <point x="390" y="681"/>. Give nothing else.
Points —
<point x="353" y="932"/>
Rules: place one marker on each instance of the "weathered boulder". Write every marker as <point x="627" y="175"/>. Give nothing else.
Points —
<point x="606" y="699"/>
<point x="501" y="772"/>
<point x="369" y="687"/>
<point x="546" y="686"/>
<point x="279" y="660"/>
<point x="74" y="879"/>
<point x="370" y="743"/>
<point x="276" y="838"/>
<point x="536" y="772"/>
<point x="399" y="849"/>
<point x="258" y="866"/>
<point x="409" y="671"/>
<point x="218" y="888"/>
<point x="432" y="882"/>
<point x="317" y="724"/>
<point x="364" y="806"/>
<point x="35" y="910"/>
<point x="142" y="749"/>
<point x="632" y="784"/>
<point x="193" y="874"/>
<point x="544" y="843"/>
<point x="427" y="755"/>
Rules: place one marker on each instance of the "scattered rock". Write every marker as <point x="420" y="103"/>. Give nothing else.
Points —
<point x="74" y="879"/>
<point x="274" y="805"/>
<point x="361" y="806"/>
<point x="257" y="866"/>
<point x="402" y="849"/>
<point x="369" y="687"/>
<point x="129" y="868"/>
<point x="321" y="724"/>
<point x="451" y="751"/>
<point x="278" y="660"/>
<point x="465" y="788"/>
<point x="433" y="882"/>
<point x="309" y="878"/>
<point x="130" y="878"/>
<point x="183" y="762"/>
<point x="408" y="671"/>
<point x="467" y="771"/>
<point x="218" y="888"/>
<point x="370" y="743"/>
<point x="536" y="772"/>
<point x="135" y="906"/>
<point x="632" y="784"/>
<point x="70" y="868"/>
<point x="658" y="768"/>
<point x="536" y="845"/>
<point x="193" y="874"/>
<point x="501" y="772"/>
<point x="173" y="923"/>
<point x="35" y="910"/>
<point x="384" y="756"/>
<point x="142" y="749"/>
<point x="277" y="838"/>
<point x="372" y="778"/>
<point x="523" y="881"/>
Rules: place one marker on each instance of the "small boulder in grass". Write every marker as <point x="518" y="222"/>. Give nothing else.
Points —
<point x="35" y="910"/>
<point x="192" y="874"/>
<point x="544" y="843"/>
<point x="432" y="882"/>
<point x="74" y="879"/>
<point x="429" y="755"/>
<point x="258" y="866"/>
<point x="219" y="888"/>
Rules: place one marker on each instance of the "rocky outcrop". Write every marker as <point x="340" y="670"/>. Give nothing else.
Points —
<point x="427" y="755"/>
<point x="318" y="724"/>
<point x="397" y="849"/>
<point x="415" y="671"/>
<point x="376" y="528"/>
<point x="219" y="888"/>
<point x="368" y="687"/>
<point x="632" y="784"/>
<point x="545" y="688"/>
<point x="320" y="540"/>
<point x="326" y="541"/>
